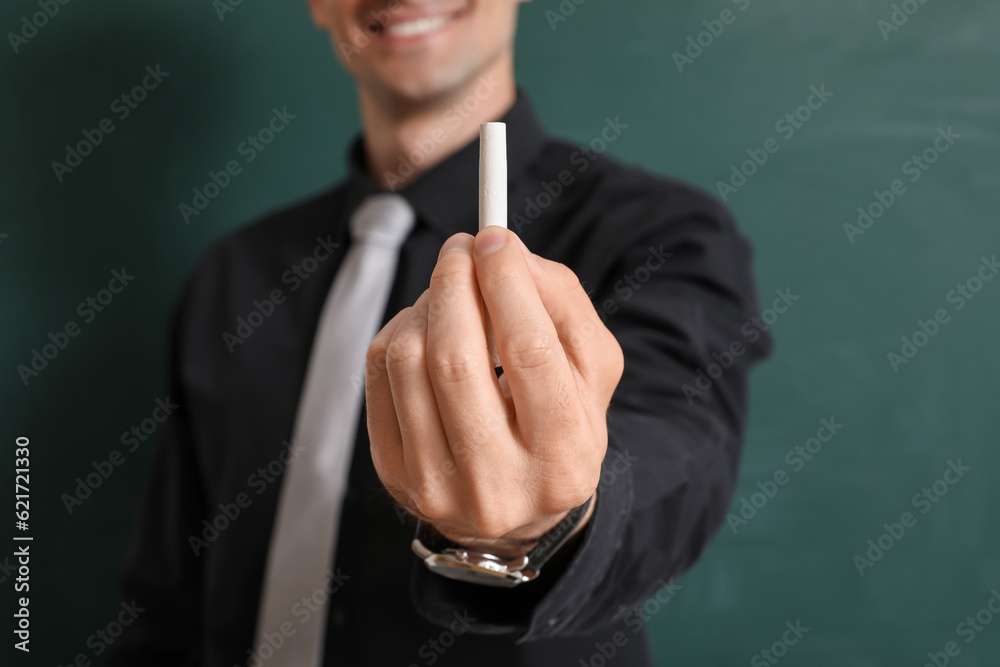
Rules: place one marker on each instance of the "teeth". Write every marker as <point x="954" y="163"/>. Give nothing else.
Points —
<point x="417" y="27"/>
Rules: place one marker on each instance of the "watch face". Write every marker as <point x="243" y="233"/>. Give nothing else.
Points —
<point x="472" y="566"/>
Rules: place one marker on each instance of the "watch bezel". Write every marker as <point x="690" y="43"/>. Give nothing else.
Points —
<point x="475" y="566"/>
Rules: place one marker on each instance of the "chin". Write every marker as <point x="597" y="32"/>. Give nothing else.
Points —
<point x="418" y="85"/>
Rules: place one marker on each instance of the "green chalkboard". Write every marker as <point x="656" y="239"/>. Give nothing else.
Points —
<point x="857" y="143"/>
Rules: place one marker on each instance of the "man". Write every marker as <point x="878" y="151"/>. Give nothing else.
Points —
<point x="619" y="303"/>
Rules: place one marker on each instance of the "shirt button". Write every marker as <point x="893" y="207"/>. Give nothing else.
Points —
<point x="337" y="617"/>
<point x="352" y="494"/>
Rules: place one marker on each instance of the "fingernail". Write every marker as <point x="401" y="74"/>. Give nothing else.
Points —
<point x="490" y="239"/>
<point x="454" y="242"/>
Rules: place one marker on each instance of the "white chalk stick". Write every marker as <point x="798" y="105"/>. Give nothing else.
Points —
<point x="492" y="174"/>
<point x="492" y="197"/>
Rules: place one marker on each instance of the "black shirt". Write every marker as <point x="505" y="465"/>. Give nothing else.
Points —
<point x="668" y="273"/>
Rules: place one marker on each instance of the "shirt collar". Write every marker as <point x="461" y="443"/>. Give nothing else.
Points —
<point x="446" y="197"/>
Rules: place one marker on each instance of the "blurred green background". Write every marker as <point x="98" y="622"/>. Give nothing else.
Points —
<point x="792" y="558"/>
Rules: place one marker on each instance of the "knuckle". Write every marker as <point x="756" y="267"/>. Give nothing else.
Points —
<point x="475" y="437"/>
<point x="614" y="356"/>
<point x="602" y="361"/>
<point x="453" y="266"/>
<point x="404" y="354"/>
<point x="565" y="275"/>
<point x="530" y="350"/>
<point x="488" y="518"/>
<point x="430" y="503"/>
<point x="489" y="525"/>
<point x="449" y="272"/>
<point x="573" y="474"/>
<point x="450" y="366"/>
<point x="375" y="359"/>
<point x="575" y="492"/>
<point x="584" y="486"/>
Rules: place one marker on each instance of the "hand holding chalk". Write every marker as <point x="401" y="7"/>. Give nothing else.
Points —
<point x="530" y="442"/>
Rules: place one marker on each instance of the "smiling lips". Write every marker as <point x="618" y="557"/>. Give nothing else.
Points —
<point x="410" y="28"/>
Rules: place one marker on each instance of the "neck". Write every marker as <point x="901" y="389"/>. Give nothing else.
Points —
<point x="404" y="138"/>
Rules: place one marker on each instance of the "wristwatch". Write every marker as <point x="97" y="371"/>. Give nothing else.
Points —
<point x="444" y="557"/>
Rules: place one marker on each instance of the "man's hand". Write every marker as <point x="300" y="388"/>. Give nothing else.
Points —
<point x="493" y="463"/>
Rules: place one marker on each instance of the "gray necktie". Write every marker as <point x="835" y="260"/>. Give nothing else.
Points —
<point x="304" y="537"/>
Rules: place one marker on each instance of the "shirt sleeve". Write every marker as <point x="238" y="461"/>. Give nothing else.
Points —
<point x="680" y="300"/>
<point x="162" y="574"/>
